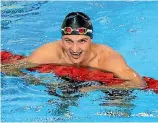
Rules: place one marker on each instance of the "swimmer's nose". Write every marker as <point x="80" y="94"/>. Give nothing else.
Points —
<point x="75" y="47"/>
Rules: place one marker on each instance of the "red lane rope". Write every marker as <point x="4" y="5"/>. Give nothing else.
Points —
<point x="76" y="73"/>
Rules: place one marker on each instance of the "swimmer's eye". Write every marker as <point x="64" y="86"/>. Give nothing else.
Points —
<point x="68" y="41"/>
<point x="82" y="41"/>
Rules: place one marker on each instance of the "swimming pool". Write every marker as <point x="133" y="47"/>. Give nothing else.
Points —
<point x="128" y="27"/>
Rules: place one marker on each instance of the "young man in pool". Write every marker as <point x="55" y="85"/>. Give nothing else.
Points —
<point x="76" y="48"/>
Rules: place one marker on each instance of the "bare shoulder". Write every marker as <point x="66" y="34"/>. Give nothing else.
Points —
<point x="104" y="49"/>
<point x="106" y="53"/>
<point x="109" y="58"/>
<point x="115" y="59"/>
<point x="46" y="53"/>
<point x="48" y="46"/>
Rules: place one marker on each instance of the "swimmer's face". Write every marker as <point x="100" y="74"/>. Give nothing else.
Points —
<point x="76" y="46"/>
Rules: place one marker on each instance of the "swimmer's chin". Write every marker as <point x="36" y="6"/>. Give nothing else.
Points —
<point x="77" y="60"/>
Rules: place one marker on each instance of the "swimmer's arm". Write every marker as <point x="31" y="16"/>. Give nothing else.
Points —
<point x="133" y="79"/>
<point x="134" y="82"/>
<point x="24" y="63"/>
<point x="46" y="54"/>
<point x="124" y="72"/>
<point x="13" y="69"/>
<point x="33" y="60"/>
<point x="39" y="56"/>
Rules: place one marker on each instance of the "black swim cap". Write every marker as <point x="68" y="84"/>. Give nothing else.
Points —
<point x="77" y="20"/>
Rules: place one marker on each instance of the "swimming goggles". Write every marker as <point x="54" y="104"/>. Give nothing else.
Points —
<point x="81" y="30"/>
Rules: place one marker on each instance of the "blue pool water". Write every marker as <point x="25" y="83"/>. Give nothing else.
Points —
<point x="128" y="27"/>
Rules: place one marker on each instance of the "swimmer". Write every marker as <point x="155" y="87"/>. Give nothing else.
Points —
<point x="77" y="48"/>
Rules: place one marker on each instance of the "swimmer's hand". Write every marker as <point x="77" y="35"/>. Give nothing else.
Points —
<point x="10" y="70"/>
<point x="122" y="86"/>
<point x="92" y="88"/>
<point x="13" y="69"/>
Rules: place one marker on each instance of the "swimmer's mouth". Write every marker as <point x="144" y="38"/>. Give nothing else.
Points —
<point x="75" y="55"/>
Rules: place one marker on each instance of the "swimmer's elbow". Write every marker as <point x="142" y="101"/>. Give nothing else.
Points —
<point x="142" y="84"/>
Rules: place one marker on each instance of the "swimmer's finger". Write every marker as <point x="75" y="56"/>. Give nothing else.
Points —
<point x="87" y="89"/>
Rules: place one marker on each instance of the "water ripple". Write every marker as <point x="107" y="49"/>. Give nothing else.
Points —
<point x="11" y="13"/>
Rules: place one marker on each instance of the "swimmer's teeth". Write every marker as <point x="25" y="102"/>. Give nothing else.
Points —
<point x="75" y="53"/>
